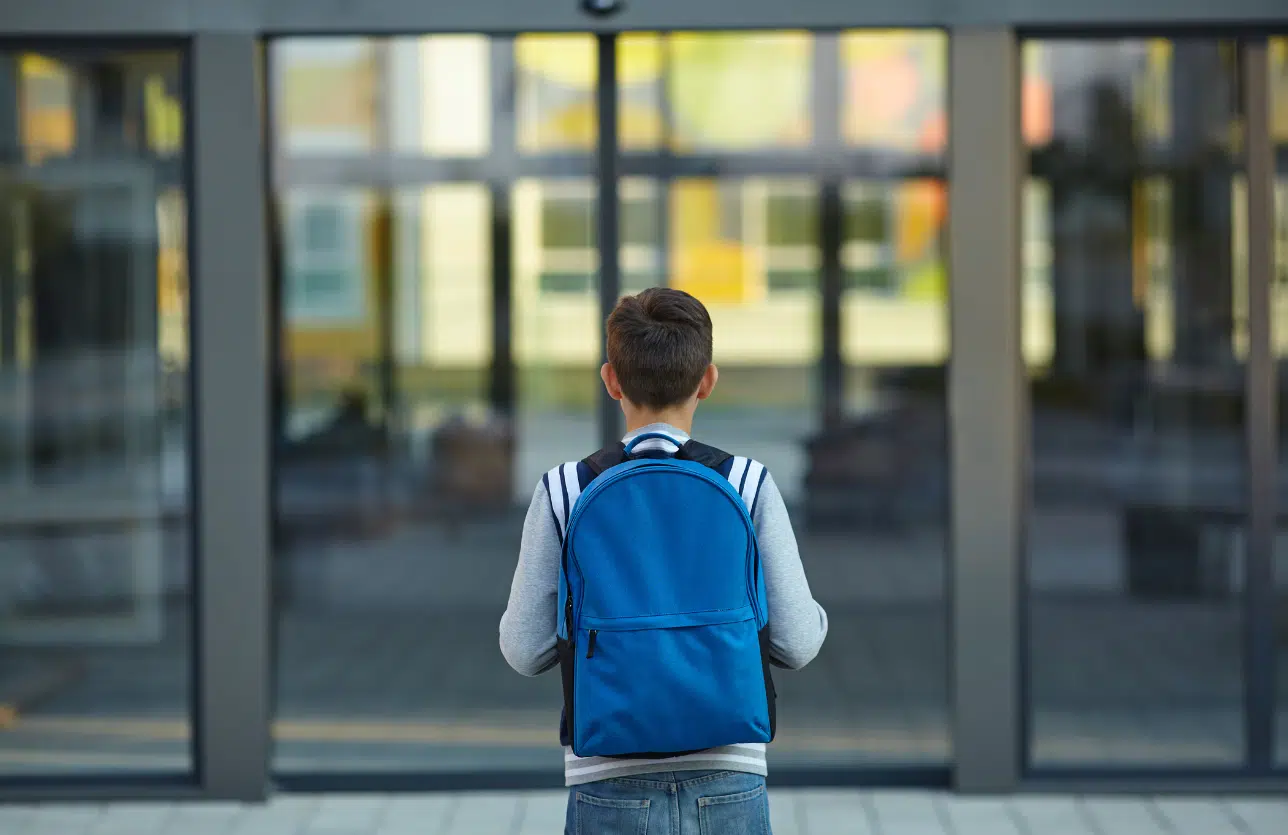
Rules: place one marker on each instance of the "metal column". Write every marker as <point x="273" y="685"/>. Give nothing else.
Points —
<point x="831" y="227"/>
<point x="231" y="397"/>
<point x="1261" y="413"/>
<point x="503" y="394"/>
<point x="611" y="423"/>
<point x="987" y="405"/>
<point x="10" y="154"/>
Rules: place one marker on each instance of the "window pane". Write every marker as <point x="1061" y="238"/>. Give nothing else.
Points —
<point x="350" y="96"/>
<point x="95" y="594"/>
<point x="556" y="326"/>
<point x="409" y="442"/>
<point x="729" y="235"/>
<point x="555" y="89"/>
<point x="328" y="90"/>
<point x="895" y="302"/>
<point x="325" y="256"/>
<point x="893" y="85"/>
<point x="1134" y="341"/>
<point x="438" y="95"/>
<point x="706" y="91"/>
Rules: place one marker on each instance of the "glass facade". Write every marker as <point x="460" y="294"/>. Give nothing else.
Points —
<point x="433" y="298"/>
<point x="412" y="430"/>
<point x="95" y="573"/>
<point x="1135" y="320"/>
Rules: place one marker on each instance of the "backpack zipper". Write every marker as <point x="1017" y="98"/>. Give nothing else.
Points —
<point x="590" y="645"/>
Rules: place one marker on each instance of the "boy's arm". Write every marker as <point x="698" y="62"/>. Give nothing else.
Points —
<point x="528" y="625"/>
<point x="797" y="624"/>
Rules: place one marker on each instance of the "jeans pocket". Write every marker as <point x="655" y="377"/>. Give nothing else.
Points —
<point x="610" y="816"/>
<point x="744" y="813"/>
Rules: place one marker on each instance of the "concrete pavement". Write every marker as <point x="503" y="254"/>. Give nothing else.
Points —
<point x="792" y="812"/>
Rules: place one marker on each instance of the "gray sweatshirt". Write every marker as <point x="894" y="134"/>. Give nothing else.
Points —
<point x="797" y="624"/>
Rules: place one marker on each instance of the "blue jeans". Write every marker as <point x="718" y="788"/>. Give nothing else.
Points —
<point x="671" y="803"/>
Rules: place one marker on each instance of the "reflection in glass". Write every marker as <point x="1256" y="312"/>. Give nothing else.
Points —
<point x="95" y="611"/>
<point x="893" y="84"/>
<point x="1279" y="335"/>
<point x="438" y="95"/>
<point x="404" y="468"/>
<point x="353" y="96"/>
<point x="894" y="303"/>
<point x="410" y="431"/>
<point x="555" y="78"/>
<point x="397" y="484"/>
<point x="871" y="540"/>
<point x="1133" y="333"/>
<point x="691" y="92"/>
<point x="326" y="95"/>
<point x="556" y="324"/>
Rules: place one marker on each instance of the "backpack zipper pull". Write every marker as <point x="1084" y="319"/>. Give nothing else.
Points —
<point x="590" y="645"/>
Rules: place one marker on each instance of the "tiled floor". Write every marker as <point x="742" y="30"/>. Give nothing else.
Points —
<point x="834" y="812"/>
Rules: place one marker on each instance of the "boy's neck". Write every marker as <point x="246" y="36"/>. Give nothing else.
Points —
<point x="679" y="418"/>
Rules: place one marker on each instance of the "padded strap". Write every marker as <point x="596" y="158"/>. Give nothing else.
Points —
<point x="606" y="458"/>
<point x="707" y="456"/>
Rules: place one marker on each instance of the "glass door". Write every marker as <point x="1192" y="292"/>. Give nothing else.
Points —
<point x="439" y="334"/>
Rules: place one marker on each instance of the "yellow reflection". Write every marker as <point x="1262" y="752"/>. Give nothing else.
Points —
<point x="571" y="59"/>
<point x="640" y="64"/>
<point x="709" y="262"/>
<point x="556" y="92"/>
<point x="1279" y="89"/>
<point x="48" y="118"/>
<point x="739" y="91"/>
<point x="164" y="117"/>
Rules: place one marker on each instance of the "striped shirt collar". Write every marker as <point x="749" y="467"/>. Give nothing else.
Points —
<point x="681" y="437"/>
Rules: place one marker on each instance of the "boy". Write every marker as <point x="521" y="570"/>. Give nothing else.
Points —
<point x="659" y="368"/>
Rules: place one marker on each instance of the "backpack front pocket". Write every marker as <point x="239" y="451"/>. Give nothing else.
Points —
<point x="661" y="685"/>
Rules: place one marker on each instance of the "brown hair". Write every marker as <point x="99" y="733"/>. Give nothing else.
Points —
<point x="659" y="344"/>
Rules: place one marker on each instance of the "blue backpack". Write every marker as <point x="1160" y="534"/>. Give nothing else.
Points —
<point x="662" y="639"/>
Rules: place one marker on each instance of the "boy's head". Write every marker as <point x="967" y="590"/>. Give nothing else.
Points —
<point x="659" y="351"/>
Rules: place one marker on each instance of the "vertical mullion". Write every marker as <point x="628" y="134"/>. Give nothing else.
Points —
<point x="987" y="406"/>
<point x="662" y="185"/>
<point x="10" y="153"/>
<point x="1261" y="418"/>
<point x="827" y="102"/>
<point x="230" y="364"/>
<point x="502" y="388"/>
<point x="610" y="279"/>
<point x="383" y="238"/>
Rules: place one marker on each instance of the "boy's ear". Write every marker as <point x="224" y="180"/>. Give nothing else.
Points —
<point x="708" y="383"/>
<point x="609" y="376"/>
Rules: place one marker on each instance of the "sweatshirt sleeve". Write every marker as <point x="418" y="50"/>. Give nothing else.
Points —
<point x="797" y="623"/>
<point x="528" y="625"/>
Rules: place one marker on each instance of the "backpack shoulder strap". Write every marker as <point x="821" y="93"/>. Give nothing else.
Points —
<point x="744" y="474"/>
<point x="565" y="483"/>
<point x="605" y="459"/>
<point x="707" y="456"/>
